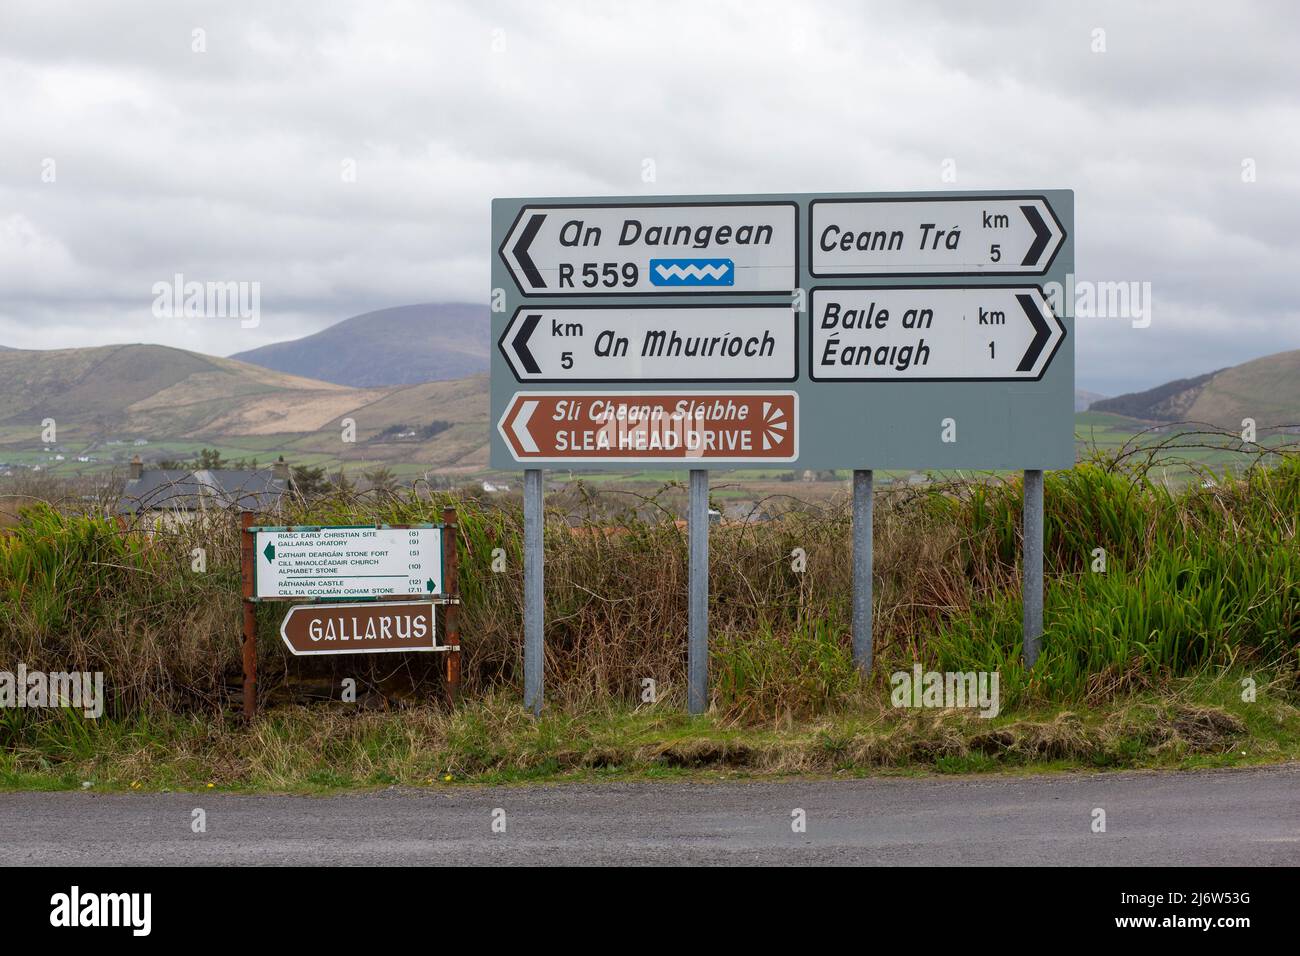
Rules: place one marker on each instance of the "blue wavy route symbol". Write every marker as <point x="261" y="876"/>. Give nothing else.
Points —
<point x="692" y="272"/>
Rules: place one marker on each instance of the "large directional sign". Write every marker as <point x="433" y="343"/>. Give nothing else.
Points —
<point x="909" y="237"/>
<point x="652" y="249"/>
<point x="894" y="334"/>
<point x="869" y="330"/>
<point x="639" y="344"/>
<point x="347" y="562"/>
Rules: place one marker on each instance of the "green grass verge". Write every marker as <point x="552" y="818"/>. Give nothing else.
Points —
<point x="1201" y="721"/>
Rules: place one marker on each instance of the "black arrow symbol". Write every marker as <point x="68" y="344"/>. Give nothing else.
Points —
<point x="1041" y="235"/>
<point x="521" y="251"/>
<point x="1042" y="332"/>
<point x="520" y="344"/>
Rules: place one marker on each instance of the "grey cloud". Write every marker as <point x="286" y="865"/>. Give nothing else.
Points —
<point x="226" y="165"/>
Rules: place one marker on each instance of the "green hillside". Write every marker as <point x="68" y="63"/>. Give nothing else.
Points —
<point x="112" y="402"/>
<point x="1265" y="389"/>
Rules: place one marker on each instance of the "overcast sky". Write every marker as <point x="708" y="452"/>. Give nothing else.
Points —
<point x="229" y="163"/>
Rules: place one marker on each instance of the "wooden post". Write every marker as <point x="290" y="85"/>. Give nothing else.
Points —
<point x="451" y="591"/>
<point x="246" y="571"/>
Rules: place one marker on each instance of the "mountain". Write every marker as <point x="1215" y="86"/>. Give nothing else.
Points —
<point x="1084" y="399"/>
<point x="172" y="402"/>
<point x="399" y="346"/>
<point x="154" y="389"/>
<point x="176" y="400"/>
<point x="450" y="421"/>
<point x="1266" y="389"/>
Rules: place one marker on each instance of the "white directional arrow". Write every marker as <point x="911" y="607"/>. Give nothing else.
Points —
<point x="520" y="426"/>
<point x="652" y="344"/>
<point x="932" y="334"/>
<point x="961" y="236"/>
<point x="653" y="248"/>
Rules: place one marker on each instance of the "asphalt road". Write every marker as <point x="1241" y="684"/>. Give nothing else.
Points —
<point x="1247" y="817"/>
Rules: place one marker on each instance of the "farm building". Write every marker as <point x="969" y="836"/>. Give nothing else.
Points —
<point x="178" y="496"/>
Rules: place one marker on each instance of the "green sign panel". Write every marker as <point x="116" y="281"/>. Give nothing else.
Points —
<point x="873" y="330"/>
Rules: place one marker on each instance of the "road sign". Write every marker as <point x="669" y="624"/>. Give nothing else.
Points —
<point x="347" y="562"/>
<point x="740" y="427"/>
<point x="975" y="235"/>
<point x="987" y="383"/>
<point x="645" y="344"/>
<point x="372" y="628"/>
<point x="652" y="248"/>
<point x="931" y="334"/>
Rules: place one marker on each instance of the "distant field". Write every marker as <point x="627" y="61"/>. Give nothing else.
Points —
<point x="460" y="450"/>
<point x="1180" y="451"/>
<point x="103" y="399"/>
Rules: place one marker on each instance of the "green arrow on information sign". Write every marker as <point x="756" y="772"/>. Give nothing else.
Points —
<point x="270" y="551"/>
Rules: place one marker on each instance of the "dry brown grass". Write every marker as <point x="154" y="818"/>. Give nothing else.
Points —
<point x="296" y="748"/>
<point x="84" y="595"/>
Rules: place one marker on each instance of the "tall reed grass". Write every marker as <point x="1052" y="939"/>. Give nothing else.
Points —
<point x="1203" y="577"/>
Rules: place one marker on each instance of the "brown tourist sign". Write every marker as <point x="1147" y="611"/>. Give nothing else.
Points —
<point x="360" y="628"/>
<point x="652" y="426"/>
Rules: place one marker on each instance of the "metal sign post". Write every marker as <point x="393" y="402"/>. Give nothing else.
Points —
<point x="862" y="531"/>
<point x="534" y="620"/>
<point x="451" y="611"/>
<point x="1032" y="549"/>
<point x="248" y="647"/>
<point x="697" y="655"/>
